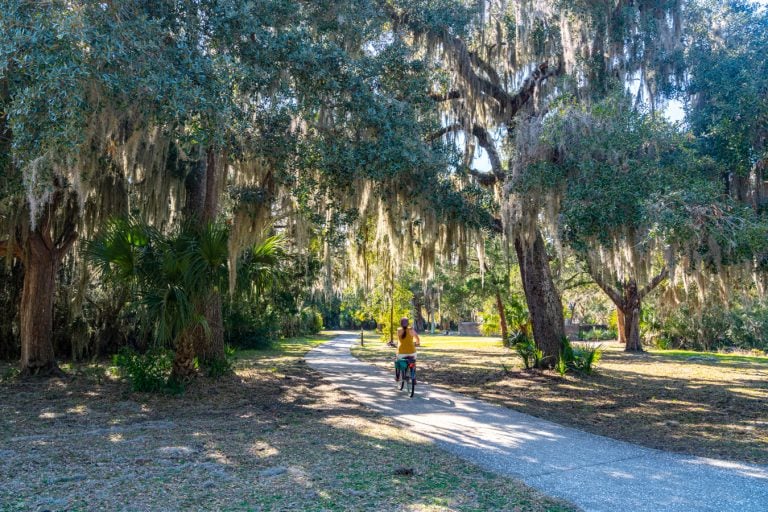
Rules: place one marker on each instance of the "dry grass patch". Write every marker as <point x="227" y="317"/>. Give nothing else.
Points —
<point x="711" y="405"/>
<point x="273" y="436"/>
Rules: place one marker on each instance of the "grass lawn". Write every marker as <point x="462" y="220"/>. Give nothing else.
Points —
<point x="273" y="436"/>
<point x="713" y="405"/>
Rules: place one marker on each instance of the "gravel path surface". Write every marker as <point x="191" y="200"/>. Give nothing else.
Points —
<point x="594" y="472"/>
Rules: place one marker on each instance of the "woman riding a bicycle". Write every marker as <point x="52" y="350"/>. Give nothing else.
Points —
<point x="405" y="362"/>
<point x="407" y="340"/>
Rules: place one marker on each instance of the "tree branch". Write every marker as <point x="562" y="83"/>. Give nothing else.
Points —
<point x="493" y="76"/>
<point x="610" y="291"/>
<point x="656" y="281"/>
<point x="485" y="179"/>
<point x="485" y="141"/>
<point x="450" y="95"/>
<point x="465" y="62"/>
<point x="445" y="129"/>
<point x="66" y="242"/>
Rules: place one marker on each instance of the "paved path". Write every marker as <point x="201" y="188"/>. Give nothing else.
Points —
<point x="594" y="472"/>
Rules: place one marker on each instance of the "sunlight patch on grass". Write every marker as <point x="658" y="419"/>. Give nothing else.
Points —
<point x="724" y="357"/>
<point x="689" y="396"/>
<point x="761" y="394"/>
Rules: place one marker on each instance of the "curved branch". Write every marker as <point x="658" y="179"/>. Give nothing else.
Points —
<point x="485" y="141"/>
<point x="450" y="95"/>
<point x="656" y="281"/>
<point x="485" y="179"/>
<point x="465" y="62"/>
<point x="444" y="130"/>
<point x="67" y="240"/>
<point x="610" y="291"/>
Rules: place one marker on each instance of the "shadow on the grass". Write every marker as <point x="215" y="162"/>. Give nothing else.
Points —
<point x="266" y="438"/>
<point x="709" y="414"/>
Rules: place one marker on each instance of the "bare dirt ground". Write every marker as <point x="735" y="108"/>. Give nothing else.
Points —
<point x="710" y="405"/>
<point x="270" y="437"/>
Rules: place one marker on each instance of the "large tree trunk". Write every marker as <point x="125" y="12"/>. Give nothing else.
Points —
<point x="544" y="305"/>
<point x="418" y="317"/>
<point x="184" y="360"/>
<point x="201" y="206"/>
<point x="210" y="346"/>
<point x="632" y="331"/>
<point x="40" y="262"/>
<point x="628" y="300"/>
<point x="631" y="308"/>
<point x="40" y="253"/>
<point x="41" y="258"/>
<point x="620" y="325"/>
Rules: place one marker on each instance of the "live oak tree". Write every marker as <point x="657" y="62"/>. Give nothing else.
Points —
<point x="608" y="165"/>
<point x="502" y="59"/>
<point x="156" y="108"/>
<point x="60" y="83"/>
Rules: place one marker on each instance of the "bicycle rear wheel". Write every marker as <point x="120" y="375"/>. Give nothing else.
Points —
<point x="410" y="382"/>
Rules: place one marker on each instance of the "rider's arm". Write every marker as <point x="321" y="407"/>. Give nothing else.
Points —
<point x="416" y="339"/>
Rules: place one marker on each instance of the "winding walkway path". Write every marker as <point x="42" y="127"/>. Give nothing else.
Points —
<point x="594" y="472"/>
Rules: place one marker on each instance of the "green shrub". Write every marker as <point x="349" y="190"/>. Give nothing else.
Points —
<point x="525" y="348"/>
<point x="714" y="326"/>
<point x="531" y="355"/>
<point x="149" y="372"/>
<point x="562" y="366"/>
<point x="599" y="335"/>
<point x="581" y="358"/>
<point x="248" y="327"/>
<point x="585" y="358"/>
<point x="311" y="321"/>
<point x="219" y="367"/>
<point x="491" y="325"/>
<point x="514" y="338"/>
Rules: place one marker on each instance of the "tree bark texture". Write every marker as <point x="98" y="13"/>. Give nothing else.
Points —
<point x="632" y="331"/>
<point x="418" y="317"/>
<point x="201" y="207"/>
<point x="628" y="299"/>
<point x="40" y="263"/>
<point x="630" y="306"/>
<point x="620" y="326"/>
<point x="41" y="254"/>
<point x="210" y="347"/>
<point x="544" y="305"/>
<point x="184" y="359"/>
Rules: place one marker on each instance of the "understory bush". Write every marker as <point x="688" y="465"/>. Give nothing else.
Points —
<point x="149" y="372"/>
<point x="531" y="355"/>
<point x="219" y="367"/>
<point x="578" y="357"/>
<point x="491" y="325"/>
<point x="599" y="335"/>
<point x="714" y="327"/>
<point x="248" y="326"/>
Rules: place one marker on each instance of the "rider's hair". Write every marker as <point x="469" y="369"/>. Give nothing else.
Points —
<point x="404" y="325"/>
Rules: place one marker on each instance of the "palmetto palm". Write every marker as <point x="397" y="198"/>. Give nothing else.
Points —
<point x="169" y="275"/>
<point x="259" y="268"/>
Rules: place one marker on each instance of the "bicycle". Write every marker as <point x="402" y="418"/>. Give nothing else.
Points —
<point x="405" y="374"/>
